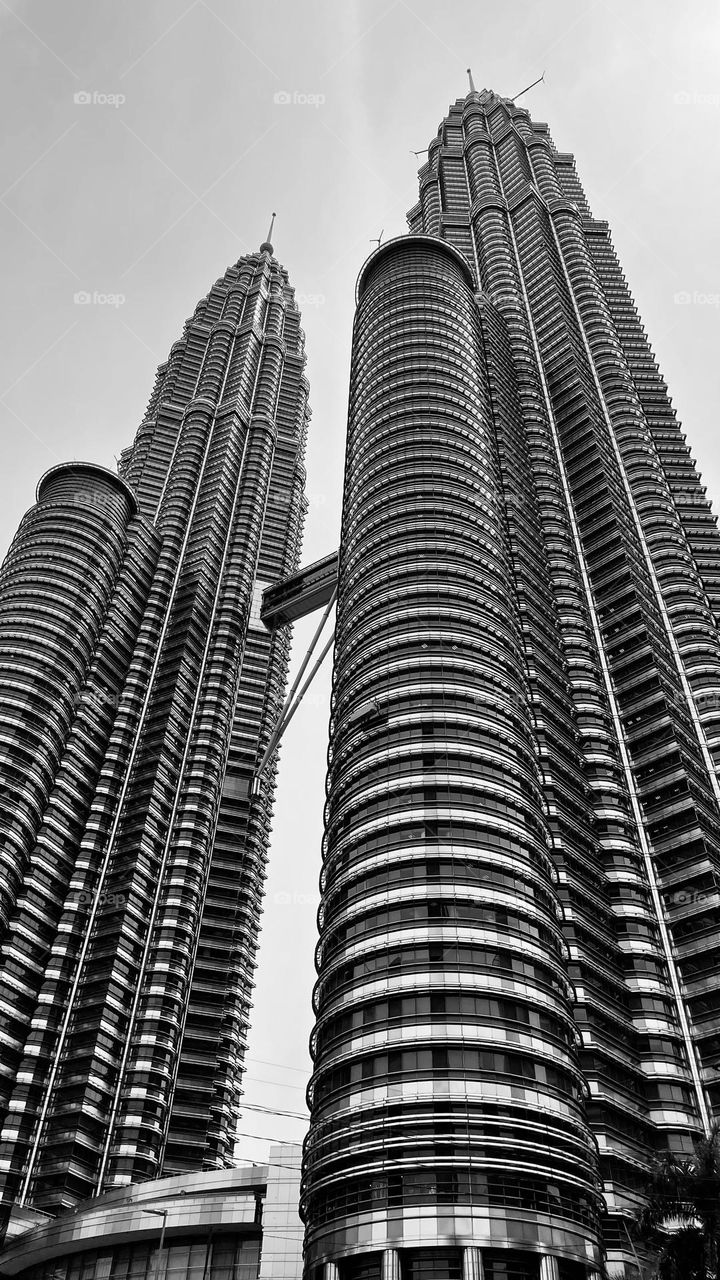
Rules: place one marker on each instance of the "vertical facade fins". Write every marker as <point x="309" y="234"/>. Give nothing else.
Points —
<point x="141" y="689"/>
<point x="583" y="649"/>
<point x="447" y="1097"/>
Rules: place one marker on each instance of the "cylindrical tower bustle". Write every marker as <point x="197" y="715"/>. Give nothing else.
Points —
<point x="447" y="1101"/>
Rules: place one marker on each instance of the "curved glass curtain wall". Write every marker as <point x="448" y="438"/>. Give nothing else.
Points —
<point x="137" y="865"/>
<point x="634" y="558"/>
<point x="611" y="566"/>
<point x="446" y="1095"/>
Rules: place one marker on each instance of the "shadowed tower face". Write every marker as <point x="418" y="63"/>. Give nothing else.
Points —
<point x="519" y="975"/>
<point x="138" y="690"/>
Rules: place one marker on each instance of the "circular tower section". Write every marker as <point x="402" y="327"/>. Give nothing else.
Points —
<point x="55" y="586"/>
<point x="448" y="1131"/>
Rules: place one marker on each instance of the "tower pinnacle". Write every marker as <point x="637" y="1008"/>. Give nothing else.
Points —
<point x="472" y="82"/>
<point x="266" y="246"/>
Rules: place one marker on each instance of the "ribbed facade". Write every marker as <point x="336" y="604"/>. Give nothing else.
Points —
<point x="138" y="690"/>
<point x="518" y="999"/>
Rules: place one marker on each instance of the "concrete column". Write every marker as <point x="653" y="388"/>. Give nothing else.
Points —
<point x="391" y="1265"/>
<point x="472" y="1263"/>
<point x="330" y="1271"/>
<point x="549" y="1268"/>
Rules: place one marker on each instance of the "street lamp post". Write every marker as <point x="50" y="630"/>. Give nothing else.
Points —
<point x="159" y="1213"/>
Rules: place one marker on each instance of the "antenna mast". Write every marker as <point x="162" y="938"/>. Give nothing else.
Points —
<point x="266" y="246"/>
<point x="527" y="87"/>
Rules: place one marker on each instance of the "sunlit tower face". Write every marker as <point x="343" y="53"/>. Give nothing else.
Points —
<point x="517" y="1000"/>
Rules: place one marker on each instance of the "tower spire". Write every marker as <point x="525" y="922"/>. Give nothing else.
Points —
<point x="472" y="82"/>
<point x="266" y="246"/>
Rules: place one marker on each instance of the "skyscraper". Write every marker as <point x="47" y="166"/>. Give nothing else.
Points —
<point x="138" y="691"/>
<point x="518" y="998"/>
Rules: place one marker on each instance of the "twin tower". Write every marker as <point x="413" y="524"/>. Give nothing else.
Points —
<point x="518" y="996"/>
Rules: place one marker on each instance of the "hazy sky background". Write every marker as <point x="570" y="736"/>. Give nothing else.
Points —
<point x="149" y="199"/>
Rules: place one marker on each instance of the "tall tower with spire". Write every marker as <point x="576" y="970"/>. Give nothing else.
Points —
<point x="138" y="691"/>
<point x="518" y="996"/>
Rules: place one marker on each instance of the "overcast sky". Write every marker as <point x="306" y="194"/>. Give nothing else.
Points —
<point x="143" y="194"/>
